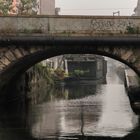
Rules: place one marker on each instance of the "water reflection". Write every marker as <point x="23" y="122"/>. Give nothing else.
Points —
<point x="102" y="112"/>
<point x="13" y="125"/>
<point x="83" y="112"/>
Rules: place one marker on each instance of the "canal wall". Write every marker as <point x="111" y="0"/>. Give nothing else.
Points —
<point x="132" y="84"/>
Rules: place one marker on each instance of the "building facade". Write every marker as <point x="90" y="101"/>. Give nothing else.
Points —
<point x="46" y="7"/>
<point x="86" y="67"/>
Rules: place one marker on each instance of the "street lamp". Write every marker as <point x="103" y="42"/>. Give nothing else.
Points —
<point x="118" y="13"/>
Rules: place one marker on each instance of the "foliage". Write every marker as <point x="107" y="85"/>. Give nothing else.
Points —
<point x="24" y="7"/>
<point x="78" y="73"/>
<point x="44" y="72"/>
<point x="132" y="30"/>
<point x="49" y="74"/>
<point x="59" y="73"/>
<point x="5" y="7"/>
<point x="27" y="7"/>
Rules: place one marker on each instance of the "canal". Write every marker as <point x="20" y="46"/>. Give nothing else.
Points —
<point x="84" y="112"/>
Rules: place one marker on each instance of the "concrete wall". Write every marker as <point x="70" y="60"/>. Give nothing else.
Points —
<point x="69" y="25"/>
<point x="101" y="70"/>
<point x="133" y="89"/>
<point x="87" y="69"/>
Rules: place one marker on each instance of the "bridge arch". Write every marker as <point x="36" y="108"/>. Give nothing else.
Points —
<point x="21" y="56"/>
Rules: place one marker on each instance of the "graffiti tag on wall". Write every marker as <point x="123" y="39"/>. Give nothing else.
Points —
<point x="110" y="25"/>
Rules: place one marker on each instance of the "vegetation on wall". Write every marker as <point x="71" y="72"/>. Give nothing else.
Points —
<point x="44" y="73"/>
<point x="39" y="72"/>
<point x="132" y="30"/>
<point x="58" y="74"/>
<point x="77" y="73"/>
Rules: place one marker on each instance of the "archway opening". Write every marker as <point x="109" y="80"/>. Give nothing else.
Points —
<point x="101" y="97"/>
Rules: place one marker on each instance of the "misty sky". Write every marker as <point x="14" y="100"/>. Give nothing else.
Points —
<point x="96" y="7"/>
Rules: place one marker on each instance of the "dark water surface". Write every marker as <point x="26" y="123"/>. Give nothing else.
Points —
<point x="85" y="112"/>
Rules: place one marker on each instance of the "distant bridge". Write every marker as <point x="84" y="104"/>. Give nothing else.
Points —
<point x="26" y="40"/>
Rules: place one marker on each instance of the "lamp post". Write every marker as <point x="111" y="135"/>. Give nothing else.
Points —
<point x="118" y="13"/>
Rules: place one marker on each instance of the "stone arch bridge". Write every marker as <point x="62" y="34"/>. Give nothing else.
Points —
<point x="24" y="41"/>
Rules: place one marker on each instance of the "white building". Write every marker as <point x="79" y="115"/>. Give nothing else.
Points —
<point x="46" y="7"/>
<point x="137" y="9"/>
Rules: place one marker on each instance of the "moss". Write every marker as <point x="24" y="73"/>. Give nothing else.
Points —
<point x="132" y="30"/>
<point x="7" y="31"/>
<point x="78" y="73"/>
<point x="26" y="31"/>
<point x="29" y="31"/>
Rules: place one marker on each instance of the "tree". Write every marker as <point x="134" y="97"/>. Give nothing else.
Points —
<point x="27" y="7"/>
<point x="5" y="7"/>
<point x="24" y="7"/>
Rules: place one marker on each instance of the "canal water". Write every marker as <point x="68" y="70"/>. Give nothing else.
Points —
<point x="84" y="112"/>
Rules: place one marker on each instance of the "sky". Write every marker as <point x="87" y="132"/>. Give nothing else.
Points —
<point x="96" y="7"/>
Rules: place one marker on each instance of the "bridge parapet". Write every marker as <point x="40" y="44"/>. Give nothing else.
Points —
<point x="69" y="25"/>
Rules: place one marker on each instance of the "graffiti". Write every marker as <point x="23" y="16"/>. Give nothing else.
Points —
<point x="101" y="24"/>
<point x="112" y="25"/>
